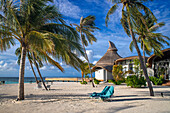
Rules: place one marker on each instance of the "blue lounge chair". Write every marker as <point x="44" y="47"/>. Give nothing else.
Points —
<point x="108" y="94"/>
<point x="101" y="93"/>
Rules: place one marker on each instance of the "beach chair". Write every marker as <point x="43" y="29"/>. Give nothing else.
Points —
<point x="101" y="93"/>
<point x="108" y="94"/>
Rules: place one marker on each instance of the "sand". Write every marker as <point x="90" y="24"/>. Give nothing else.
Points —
<point x="72" y="97"/>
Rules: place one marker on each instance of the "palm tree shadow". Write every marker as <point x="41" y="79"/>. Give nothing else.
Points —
<point x="127" y="99"/>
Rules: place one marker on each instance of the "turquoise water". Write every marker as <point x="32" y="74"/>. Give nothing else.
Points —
<point x="14" y="80"/>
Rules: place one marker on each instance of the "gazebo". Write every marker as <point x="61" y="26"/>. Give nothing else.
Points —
<point x="104" y="66"/>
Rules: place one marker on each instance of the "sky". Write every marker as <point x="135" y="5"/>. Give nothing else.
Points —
<point x="72" y="11"/>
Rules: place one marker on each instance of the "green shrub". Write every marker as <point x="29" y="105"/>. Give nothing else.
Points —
<point x="135" y="81"/>
<point x="84" y="82"/>
<point x="116" y="83"/>
<point x="96" y="81"/>
<point x="110" y="81"/>
<point x="156" y="81"/>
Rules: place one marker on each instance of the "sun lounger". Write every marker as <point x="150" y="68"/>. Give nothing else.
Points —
<point x="108" y="94"/>
<point x="101" y="93"/>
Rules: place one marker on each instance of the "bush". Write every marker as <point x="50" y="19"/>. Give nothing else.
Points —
<point x="156" y="81"/>
<point x="110" y="81"/>
<point x="84" y="82"/>
<point x="135" y="81"/>
<point x="96" y="81"/>
<point x="116" y="83"/>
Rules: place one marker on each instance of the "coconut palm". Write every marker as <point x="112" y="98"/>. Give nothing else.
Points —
<point x="148" y="38"/>
<point x="85" y="69"/>
<point x="131" y="11"/>
<point x="40" y="29"/>
<point x="86" y="27"/>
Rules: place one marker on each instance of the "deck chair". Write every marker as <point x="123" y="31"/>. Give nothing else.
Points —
<point x="108" y="94"/>
<point x="101" y="93"/>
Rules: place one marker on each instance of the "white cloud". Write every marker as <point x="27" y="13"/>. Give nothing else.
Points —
<point x="94" y="62"/>
<point x="43" y="68"/>
<point x="1" y="62"/>
<point x="68" y="9"/>
<point x="97" y="56"/>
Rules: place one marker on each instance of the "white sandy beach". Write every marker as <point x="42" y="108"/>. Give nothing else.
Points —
<point x="72" y="97"/>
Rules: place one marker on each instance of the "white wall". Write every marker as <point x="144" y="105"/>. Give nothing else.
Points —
<point x="99" y="74"/>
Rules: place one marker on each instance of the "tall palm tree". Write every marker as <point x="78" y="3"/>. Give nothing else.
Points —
<point x="39" y="28"/>
<point x="85" y="28"/>
<point x="149" y="39"/>
<point x="131" y="10"/>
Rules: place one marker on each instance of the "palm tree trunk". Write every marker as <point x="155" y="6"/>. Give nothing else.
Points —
<point x="33" y="71"/>
<point x="36" y="65"/>
<point x="139" y="54"/>
<point x="21" y="74"/>
<point x="87" y="59"/>
<point x="82" y="76"/>
<point x="144" y="60"/>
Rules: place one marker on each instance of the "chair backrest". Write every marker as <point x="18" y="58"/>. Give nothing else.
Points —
<point x="110" y="91"/>
<point x="105" y="89"/>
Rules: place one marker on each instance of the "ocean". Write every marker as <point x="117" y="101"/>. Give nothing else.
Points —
<point x="14" y="80"/>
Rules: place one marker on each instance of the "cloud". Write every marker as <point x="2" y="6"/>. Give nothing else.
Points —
<point x="68" y="9"/>
<point x="97" y="56"/>
<point x="95" y="62"/>
<point x="1" y="62"/>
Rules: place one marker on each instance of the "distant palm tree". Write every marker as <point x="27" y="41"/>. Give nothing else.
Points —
<point x="131" y="11"/>
<point x="85" y="28"/>
<point x="39" y="28"/>
<point x="85" y="69"/>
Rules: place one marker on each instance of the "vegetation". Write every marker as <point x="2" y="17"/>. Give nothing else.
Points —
<point x="85" y="70"/>
<point x="157" y="80"/>
<point x="86" y="27"/>
<point x="135" y="81"/>
<point x="96" y="81"/>
<point x="40" y="30"/>
<point x="132" y="12"/>
<point x="83" y="82"/>
<point x="118" y="74"/>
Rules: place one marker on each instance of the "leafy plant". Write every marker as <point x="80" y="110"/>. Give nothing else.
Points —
<point x="156" y="81"/>
<point x="117" y="72"/>
<point x="135" y="81"/>
<point x="84" y="82"/>
<point x="96" y="81"/>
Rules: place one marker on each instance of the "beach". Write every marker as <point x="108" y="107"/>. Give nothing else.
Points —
<point x="72" y="97"/>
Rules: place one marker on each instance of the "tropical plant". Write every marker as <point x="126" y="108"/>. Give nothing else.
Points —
<point x="157" y="80"/>
<point x="149" y="39"/>
<point x="85" y="69"/>
<point x="85" y="28"/>
<point x="132" y="11"/>
<point x="117" y="72"/>
<point x="40" y="29"/>
<point x="96" y="81"/>
<point x="135" y="81"/>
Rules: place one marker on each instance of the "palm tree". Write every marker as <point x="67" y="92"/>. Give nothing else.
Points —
<point x="85" y="69"/>
<point x="148" y="38"/>
<point x="30" y="23"/>
<point x="85" y="28"/>
<point x="131" y="11"/>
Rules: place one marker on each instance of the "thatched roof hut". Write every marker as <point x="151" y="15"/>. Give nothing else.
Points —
<point x="107" y="61"/>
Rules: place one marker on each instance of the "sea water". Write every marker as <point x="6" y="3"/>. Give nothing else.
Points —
<point x="14" y="80"/>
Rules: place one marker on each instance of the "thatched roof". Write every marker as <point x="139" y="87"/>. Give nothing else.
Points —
<point x="107" y="61"/>
<point x="166" y="55"/>
<point x="128" y="58"/>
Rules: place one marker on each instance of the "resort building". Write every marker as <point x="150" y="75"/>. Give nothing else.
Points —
<point x="104" y="66"/>
<point x="128" y="64"/>
<point x="160" y="65"/>
<point x="157" y="65"/>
